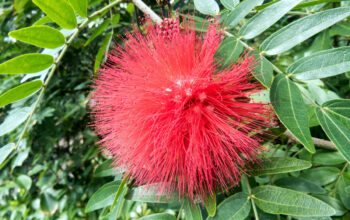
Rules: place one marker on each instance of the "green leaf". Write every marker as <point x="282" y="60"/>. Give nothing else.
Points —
<point x="210" y="205"/>
<point x="39" y="35"/>
<point x="102" y="51"/>
<point x="24" y="181"/>
<point x="335" y="203"/>
<point x="321" y="175"/>
<point x="98" y="31"/>
<point x="5" y="151"/>
<point x="344" y="194"/>
<point x="20" y="4"/>
<point x="266" y="18"/>
<point x="302" y="29"/>
<point x="192" y="211"/>
<point x="277" y="200"/>
<point x="291" y="110"/>
<point x="27" y="63"/>
<point x="21" y="156"/>
<point x="323" y="41"/>
<point x="278" y="165"/>
<point x="48" y="203"/>
<point x="238" y="13"/>
<point x="337" y="132"/>
<point x="106" y="169"/>
<point x="229" y="4"/>
<point x="235" y="207"/>
<point x="340" y="109"/>
<point x="208" y="7"/>
<point x="300" y="184"/>
<point x="119" y="196"/>
<point x="151" y="193"/>
<point x="342" y="28"/>
<point x="263" y="70"/>
<point x="322" y="64"/>
<point x="331" y="158"/>
<point x="43" y="20"/>
<point x="59" y="11"/>
<point x="261" y="7"/>
<point x="229" y="50"/>
<point x="14" y="119"/>
<point x="103" y="197"/>
<point x="80" y="7"/>
<point x="158" y="216"/>
<point x="262" y="96"/>
<point x="20" y="92"/>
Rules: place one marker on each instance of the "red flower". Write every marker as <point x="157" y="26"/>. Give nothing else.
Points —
<point x="168" y="115"/>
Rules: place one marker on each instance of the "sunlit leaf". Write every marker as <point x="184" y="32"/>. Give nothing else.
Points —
<point x="20" y="92"/>
<point x="322" y="64"/>
<point x="5" y="151"/>
<point x="209" y="7"/>
<point x="27" y="63"/>
<point x="267" y="17"/>
<point x="59" y="11"/>
<point x="80" y="7"/>
<point x="301" y="29"/>
<point x="238" y="13"/>
<point x="39" y="35"/>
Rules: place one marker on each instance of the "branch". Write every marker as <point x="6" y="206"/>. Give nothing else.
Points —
<point x="317" y="141"/>
<point x="57" y="60"/>
<point x="147" y="10"/>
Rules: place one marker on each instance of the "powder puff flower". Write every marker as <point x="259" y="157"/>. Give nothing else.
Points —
<point x="169" y="115"/>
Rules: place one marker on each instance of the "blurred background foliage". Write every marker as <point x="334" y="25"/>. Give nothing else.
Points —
<point x="58" y="166"/>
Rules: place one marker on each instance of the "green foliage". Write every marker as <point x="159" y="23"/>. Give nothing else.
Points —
<point x="302" y="29"/>
<point x="39" y="35"/>
<point x="20" y="92"/>
<point x="59" y="11"/>
<point x="51" y="167"/>
<point x="192" y="211"/>
<point x="209" y="7"/>
<point x="28" y="63"/>
<point x="276" y="200"/>
<point x="235" y="207"/>
<point x="291" y="110"/>
<point x="276" y="165"/>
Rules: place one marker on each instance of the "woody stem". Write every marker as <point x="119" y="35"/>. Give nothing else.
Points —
<point x="147" y="10"/>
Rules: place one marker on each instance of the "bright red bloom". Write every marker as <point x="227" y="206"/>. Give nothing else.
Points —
<point x="168" y="115"/>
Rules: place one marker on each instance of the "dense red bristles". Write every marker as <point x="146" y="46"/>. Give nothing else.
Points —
<point x="169" y="116"/>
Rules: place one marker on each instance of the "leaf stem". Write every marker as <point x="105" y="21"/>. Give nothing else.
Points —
<point x="57" y="60"/>
<point x="120" y="189"/>
<point x="251" y="197"/>
<point x="339" y="176"/>
<point x="180" y="210"/>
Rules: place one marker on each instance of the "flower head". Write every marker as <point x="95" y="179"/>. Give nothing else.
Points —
<point x="169" y="115"/>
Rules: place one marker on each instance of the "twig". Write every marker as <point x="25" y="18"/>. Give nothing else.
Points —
<point x="317" y="141"/>
<point x="147" y="10"/>
<point x="57" y="60"/>
<point x="251" y="197"/>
